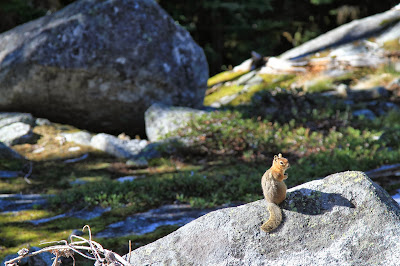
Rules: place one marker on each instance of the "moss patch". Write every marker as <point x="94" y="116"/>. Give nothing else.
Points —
<point x="222" y="92"/>
<point x="224" y="76"/>
<point x="320" y="85"/>
<point x="392" y="45"/>
<point x="270" y="82"/>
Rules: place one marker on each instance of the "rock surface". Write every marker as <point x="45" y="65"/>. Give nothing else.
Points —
<point x="162" y="119"/>
<point x="344" y="219"/>
<point x="100" y="64"/>
<point x="16" y="133"/>
<point x="117" y="147"/>
<point x="80" y="137"/>
<point x="10" y="118"/>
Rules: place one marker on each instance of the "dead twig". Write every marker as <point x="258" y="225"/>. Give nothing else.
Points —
<point x="78" y="244"/>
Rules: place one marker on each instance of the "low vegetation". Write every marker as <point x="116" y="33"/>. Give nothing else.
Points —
<point x="229" y="151"/>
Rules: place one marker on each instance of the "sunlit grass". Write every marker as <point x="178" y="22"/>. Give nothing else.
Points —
<point x="21" y="216"/>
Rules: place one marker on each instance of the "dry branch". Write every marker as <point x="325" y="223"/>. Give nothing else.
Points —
<point x="77" y="245"/>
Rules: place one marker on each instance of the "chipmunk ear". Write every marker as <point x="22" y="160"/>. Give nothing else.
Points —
<point x="280" y="155"/>
<point x="275" y="158"/>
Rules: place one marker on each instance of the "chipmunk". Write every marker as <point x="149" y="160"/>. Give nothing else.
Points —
<point x="274" y="190"/>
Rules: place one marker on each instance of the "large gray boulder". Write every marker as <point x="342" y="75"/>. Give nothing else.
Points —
<point x="100" y="64"/>
<point x="344" y="219"/>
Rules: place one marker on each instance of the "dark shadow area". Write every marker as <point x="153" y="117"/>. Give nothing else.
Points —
<point x="313" y="202"/>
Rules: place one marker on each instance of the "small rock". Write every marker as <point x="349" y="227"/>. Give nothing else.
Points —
<point x="81" y="137"/>
<point x="368" y="114"/>
<point x="243" y="67"/>
<point x="117" y="147"/>
<point x="162" y="120"/>
<point x="16" y="133"/>
<point x="11" y="118"/>
<point x="74" y="149"/>
<point x="43" y="122"/>
<point x="342" y="89"/>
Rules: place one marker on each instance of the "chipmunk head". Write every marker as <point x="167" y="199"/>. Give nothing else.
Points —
<point x="280" y="162"/>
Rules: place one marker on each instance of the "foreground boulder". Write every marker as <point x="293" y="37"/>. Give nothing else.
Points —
<point x="100" y="64"/>
<point x="344" y="219"/>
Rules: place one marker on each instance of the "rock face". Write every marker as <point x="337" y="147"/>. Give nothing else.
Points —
<point x="344" y="219"/>
<point x="100" y="64"/>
